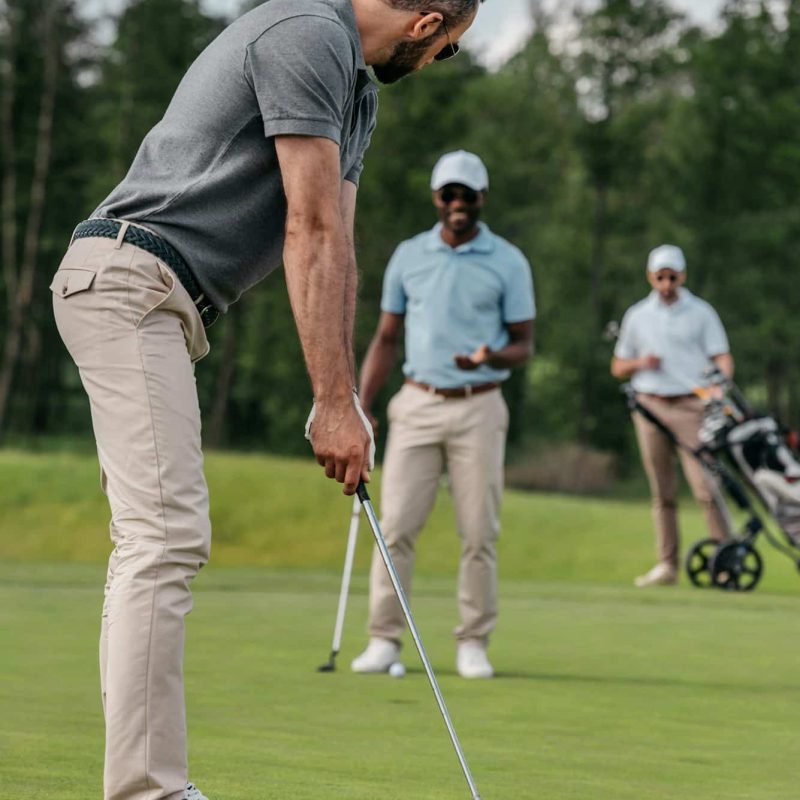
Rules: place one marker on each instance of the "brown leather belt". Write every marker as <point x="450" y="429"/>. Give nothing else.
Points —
<point x="455" y="391"/>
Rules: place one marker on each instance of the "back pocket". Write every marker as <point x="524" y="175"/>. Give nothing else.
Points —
<point x="70" y="281"/>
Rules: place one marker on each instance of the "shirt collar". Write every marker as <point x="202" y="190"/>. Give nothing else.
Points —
<point x="482" y="243"/>
<point x="347" y="14"/>
<point x="684" y="299"/>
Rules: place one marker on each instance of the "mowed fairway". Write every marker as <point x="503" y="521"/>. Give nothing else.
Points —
<point x="603" y="691"/>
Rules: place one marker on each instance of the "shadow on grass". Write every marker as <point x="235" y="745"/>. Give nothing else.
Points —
<point x="622" y="680"/>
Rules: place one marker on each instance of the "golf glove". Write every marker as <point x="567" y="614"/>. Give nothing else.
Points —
<point x="364" y="419"/>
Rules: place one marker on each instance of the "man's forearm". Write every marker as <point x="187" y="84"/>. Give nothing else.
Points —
<point x="350" y="295"/>
<point x="320" y="276"/>
<point x="624" y="368"/>
<point x="375" y="370"/>
<point x="348" y="208"/>
<point x="514" y="354"/>
<point x="725" y="364"/>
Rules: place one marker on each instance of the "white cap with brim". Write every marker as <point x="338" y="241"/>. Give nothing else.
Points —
<point x="668" y="256"/>
<point x="460" y="167"/>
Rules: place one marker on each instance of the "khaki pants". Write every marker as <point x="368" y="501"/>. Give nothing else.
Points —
<point x="134" y="334"/>
<point x="427" y="430"/>
<point x="683" y="416"/>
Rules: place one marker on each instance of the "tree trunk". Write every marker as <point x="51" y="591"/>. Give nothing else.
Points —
<point x="772" y="381"/>
<point x="596" y="304"/>
<point x="9" y="186"/>
<point x="27" y="271"/>
<point x="599" y="249"/>
<point x="219" y="410"/>
<point x="792" y="410"/>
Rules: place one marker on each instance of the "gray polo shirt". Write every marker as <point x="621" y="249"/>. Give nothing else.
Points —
<point x="685" y="334"/>
<point x="207" y="178"/>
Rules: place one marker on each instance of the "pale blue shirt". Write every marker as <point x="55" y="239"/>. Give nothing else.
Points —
<point x="685" y="335"/>
<point x="455" y="300"/>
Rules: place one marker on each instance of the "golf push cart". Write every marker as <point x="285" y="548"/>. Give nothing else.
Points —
<point x="755" y="461"/>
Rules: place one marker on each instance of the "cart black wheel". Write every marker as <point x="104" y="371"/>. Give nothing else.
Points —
<point x="698" y="562"/>
<point x="736" y="566"/>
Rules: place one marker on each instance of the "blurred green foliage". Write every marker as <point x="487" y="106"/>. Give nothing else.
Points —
<point x="632" y="129"/>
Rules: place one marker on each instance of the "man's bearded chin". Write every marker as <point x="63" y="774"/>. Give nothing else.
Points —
<point x="403" y="60"/>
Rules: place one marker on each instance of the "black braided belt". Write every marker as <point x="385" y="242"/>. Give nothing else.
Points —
<point x="158" y="247"/>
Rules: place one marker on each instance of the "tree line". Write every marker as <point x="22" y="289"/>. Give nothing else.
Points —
<point x="612" y="131"/>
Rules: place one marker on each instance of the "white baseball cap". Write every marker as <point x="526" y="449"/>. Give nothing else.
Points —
<point x="460" y="167"/>
<point x="668" y="256"/>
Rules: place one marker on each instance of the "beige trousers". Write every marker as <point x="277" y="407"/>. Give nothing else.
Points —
<point x="134" y="334"/>
<point x="683" y="416"/>
<point x="425" y="431"/>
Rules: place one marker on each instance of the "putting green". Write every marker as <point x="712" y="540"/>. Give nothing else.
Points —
<point x="603" y="692"/>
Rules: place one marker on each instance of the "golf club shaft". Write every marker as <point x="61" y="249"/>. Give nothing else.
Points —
<point x="401" y="596"/>
<point x="348" y="571"/>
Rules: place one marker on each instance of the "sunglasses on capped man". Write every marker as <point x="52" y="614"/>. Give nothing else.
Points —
<point x="450" y="193"/>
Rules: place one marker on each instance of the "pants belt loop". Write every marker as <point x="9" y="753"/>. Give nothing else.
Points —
<point x="431" y="389"/>
<point x="123" y="229"/>
<point x="468" y="390"/>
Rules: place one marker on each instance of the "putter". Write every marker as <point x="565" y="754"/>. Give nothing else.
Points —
<point x="361" y="493"/>
<point x="330" y="664"/>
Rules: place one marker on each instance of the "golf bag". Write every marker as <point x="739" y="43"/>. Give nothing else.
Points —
<point x="754" y="460"/>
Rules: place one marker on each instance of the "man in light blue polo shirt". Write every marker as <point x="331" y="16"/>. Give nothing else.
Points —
<point x="466" y="299"/>
<point x="666" y="343"/>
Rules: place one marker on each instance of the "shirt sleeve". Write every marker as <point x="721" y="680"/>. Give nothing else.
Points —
<point x="626" y="342"/>
<point x="715" y="340"/>
<point x="371" y="109"/>
<point x="393" y="299"/>
<point x="519" y="301"/>
<point x="302" y="71"/>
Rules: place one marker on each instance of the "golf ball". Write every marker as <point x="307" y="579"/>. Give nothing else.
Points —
<point x="397" y="670"/>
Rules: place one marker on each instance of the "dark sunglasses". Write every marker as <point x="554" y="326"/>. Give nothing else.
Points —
<point x="449" y="193"/>
<point x="671" y="278"/>
<point x="450" y="49"/>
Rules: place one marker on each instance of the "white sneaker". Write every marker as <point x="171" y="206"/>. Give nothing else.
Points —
<point x="472" y="661"/>
<point x="191" y="792"/>
<point x="661" y="575"/>
<point x="378" y="657"/>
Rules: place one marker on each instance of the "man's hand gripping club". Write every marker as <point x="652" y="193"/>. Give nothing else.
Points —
<point x="342" y="439"/>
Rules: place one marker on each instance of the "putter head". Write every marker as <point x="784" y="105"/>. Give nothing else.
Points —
<point x="329" y="665"/>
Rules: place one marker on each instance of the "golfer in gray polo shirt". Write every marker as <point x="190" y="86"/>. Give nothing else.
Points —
<point x="255" y="164"/>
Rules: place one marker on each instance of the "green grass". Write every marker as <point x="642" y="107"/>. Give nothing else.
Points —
<point x="276" y="512"/>
<point x="604" y="692"/>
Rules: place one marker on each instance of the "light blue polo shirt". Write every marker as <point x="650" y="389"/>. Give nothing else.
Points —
<point x="685" y="334"/>
<point x="455" y="300"/>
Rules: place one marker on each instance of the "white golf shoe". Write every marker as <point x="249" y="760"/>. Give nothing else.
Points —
<point x="378" y="657"/>
<point x="661" y="575"/>
<point x="472" y="661"/>
<point x="191" y="792"/>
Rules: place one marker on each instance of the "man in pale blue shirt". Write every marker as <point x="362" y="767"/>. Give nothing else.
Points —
<point x="666" y="343"/>
<point x="466" y="299"/>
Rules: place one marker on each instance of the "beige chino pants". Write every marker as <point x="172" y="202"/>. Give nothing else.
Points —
<point x="425" y="432"/>
<point x="134" y="334"/>
<point x="683" y="416"/>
